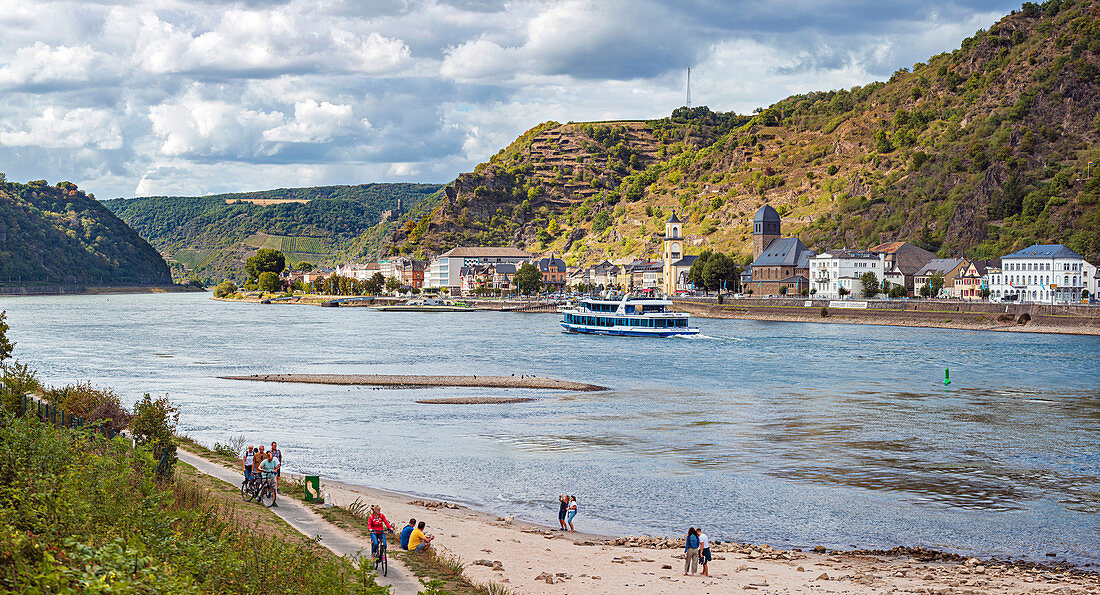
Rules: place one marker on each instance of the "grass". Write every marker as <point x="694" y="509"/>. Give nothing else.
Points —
<point x="80" y="513"/>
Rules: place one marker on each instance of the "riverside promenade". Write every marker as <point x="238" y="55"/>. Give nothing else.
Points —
<point x="310" y="524"/>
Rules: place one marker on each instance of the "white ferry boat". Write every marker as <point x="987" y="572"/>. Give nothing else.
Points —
<point x="629" y="316"/>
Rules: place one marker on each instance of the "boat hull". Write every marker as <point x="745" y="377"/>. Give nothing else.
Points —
<point x="628" y="331"/>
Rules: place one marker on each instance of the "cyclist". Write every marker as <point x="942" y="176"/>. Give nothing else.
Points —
<point x="377" y="523"/>
<point x="269" y="467"/>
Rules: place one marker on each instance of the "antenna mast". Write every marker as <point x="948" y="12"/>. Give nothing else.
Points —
<point x="688" y="104"/>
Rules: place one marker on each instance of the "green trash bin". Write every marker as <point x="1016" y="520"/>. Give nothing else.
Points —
<point x="313" y="489"/>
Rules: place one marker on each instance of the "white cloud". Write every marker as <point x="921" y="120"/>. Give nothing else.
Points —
<point x="197" y="127"/>
<point x="72" y="129"/>
<point x="185" y="96"/>
<point x="44" y="64"/>
<point x="315" y="122"/>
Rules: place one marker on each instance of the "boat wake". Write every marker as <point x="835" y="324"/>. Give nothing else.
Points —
<point x="701" y="336"/>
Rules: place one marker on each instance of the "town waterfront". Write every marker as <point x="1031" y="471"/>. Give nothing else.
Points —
<point x="768" y="432"/>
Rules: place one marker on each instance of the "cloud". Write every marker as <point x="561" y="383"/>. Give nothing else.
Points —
<point x="189" y="96"/>
<point x="56" y="129"/>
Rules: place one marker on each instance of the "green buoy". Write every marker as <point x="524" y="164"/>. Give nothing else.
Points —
<point x="946" y="377"/>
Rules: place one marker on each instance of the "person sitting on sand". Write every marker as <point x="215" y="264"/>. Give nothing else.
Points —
<point x="376" y="524"/>
<point x="406" y="533"/>
<point x="691" y="552"/>
<point x="704" y="552"/>
<point x="563" y="504"/>
<point x="418" y="540"/>
<point x="572" y="512"/>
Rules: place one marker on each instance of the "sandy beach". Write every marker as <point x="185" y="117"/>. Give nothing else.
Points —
<point x="417" y="381"/>
<point x="535" y="559"/>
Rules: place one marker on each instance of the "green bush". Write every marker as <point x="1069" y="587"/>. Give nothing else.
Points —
<point x="97" y="521"/>
<point x="225" y="288"/>
<point x="18" y="380"/>
<point x="93" y="404"/>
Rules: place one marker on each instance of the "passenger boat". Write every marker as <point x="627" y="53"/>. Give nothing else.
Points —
<point x="628" y="316"/>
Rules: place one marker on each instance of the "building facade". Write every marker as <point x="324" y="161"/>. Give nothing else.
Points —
<point x="902" y="263"/>
<point x="832" y="271"/>
<point x="1043" y="273"/>
<point x="948" y="268"/>
<point x="973" y="281"/>
<point x="445" y="271"/>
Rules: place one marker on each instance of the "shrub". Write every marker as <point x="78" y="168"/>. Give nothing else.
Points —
<point x="824" y="312"/>
<point x="269" y="282"/>
<point x="154" y="426"/>
<point x="225" y="288"/>
<point x="93" y="404"/>
<point x="18" y="380"/>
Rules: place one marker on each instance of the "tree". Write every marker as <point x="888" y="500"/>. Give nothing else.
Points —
<point x="269" y="282"/>
<point x="553" y="228"/>
<point x="695" y="273"/>
<point x="935" y="284"/>
<point x="392" y="284"/>
<point x="6" y="346"/>
<point x="925" y="290"/>
<point x="898" y="291"/>
<point x="843" y="291"/>
<point x="266" y="260"/>
<point x="374" y="285"/>
<point x="225" y="288"/>
<point x="528" y="279"/>
<point x="154" y="426"/>
<point x="870" y="284"/>
<point x="721" y="271"/>
<point x="304" y="266"/>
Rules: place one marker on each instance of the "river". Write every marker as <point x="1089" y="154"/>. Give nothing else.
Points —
<point x="791" y="434"/>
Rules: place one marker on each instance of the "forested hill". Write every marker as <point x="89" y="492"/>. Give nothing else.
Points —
<point x="210" y="237"/>
<point x="977" y="151"/>
<point x="58" y="235"/>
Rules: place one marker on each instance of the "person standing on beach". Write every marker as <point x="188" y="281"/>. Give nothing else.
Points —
<point x="563" y="502"/>
<point x="691" y="552"/>
<point x="704" y="555"/>
<point x="572" y="508"/>
<point x="248" y="462"/>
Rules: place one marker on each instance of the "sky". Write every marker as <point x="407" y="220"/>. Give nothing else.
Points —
<point x="189" y="97"/>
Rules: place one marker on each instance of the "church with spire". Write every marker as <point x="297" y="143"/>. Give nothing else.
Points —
<point x="676" y="264"/>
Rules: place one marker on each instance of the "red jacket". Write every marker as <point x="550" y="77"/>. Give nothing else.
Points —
<point x="377" y="522"/>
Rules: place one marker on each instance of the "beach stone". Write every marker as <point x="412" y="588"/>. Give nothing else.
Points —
<point x="820" y="549"/>
<point x="972" y="562"/>
<point x="824" y="576"/>
<point x="800" y="569"/>
<point x="666" y="566"/>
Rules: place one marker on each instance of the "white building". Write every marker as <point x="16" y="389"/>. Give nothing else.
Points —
<point x="357" y="271"/>
<point x="836" y="269"/>
<point x="1043" y="274"/>
<point x="446" y="269"/>
<point x="1092" y="280"/>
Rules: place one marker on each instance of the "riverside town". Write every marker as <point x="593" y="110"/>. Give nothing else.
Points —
<point x="550" y="297"/>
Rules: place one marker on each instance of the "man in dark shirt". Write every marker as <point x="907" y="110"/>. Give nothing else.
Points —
<point x="561" y="510"/>
<point x="406" y="532"/>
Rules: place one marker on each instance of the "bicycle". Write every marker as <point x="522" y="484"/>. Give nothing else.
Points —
<point x="267" y="493"/>
<point x="250" y="488"/>
<point x="381" y="560"/>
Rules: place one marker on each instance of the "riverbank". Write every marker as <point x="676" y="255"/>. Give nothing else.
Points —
<point x="105" y="290"/>
<point x="420" y="381"/>
<point x="532" y="558"/>
<point x="974" y="317"/>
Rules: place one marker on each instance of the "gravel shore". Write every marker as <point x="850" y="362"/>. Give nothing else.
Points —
<point x="416" y="381"/>
<point x="476" y="400"/>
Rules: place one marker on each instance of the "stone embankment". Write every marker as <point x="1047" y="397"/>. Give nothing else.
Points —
<point x="1033" y="318"/>
<point x="417" y="381"/>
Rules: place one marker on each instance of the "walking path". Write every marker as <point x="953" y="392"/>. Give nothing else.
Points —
<point x="310" y="524"/>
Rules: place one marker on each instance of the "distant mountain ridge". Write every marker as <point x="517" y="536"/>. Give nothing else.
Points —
<point x="976" y="152"/>
<point x="58" y="235"/>
<point x="210" y="237"/>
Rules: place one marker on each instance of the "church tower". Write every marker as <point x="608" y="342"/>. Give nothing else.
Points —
<point x="765" y="228"/>
<point x="673" y="252"/>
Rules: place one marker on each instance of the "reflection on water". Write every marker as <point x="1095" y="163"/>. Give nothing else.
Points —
<point x="791" y="434"/>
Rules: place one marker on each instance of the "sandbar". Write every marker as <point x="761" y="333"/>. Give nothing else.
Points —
<point x="418" y="381"/>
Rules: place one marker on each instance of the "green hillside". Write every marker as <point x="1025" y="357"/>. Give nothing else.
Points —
<point x="211" y="236"/>
<point x="976" y="152"/>
<point x="58" y="235"/>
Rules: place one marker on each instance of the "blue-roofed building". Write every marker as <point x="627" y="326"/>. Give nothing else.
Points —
<point x="1043" y="274"/>
<point x="783" y="268"/>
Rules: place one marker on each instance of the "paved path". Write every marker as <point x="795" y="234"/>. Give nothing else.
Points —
<point x="310" y="524"/>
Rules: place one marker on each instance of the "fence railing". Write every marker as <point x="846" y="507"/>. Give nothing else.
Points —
<point x="49" y="412"/>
